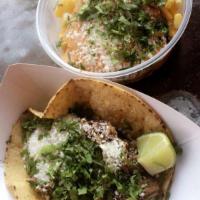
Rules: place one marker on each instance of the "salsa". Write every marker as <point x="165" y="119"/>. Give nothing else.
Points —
<point x="107" y="35"/>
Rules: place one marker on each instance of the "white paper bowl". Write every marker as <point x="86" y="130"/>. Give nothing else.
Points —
<point x="32" y="85"/>
<point x="48" y="28"/>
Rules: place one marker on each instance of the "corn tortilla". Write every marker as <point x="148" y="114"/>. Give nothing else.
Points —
<point x="107" y="101"/>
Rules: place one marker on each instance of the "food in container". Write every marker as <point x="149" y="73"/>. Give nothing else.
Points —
<point x="108" y="36"/>
<point x="86" y="146"/>
<point x="49" y="27"/>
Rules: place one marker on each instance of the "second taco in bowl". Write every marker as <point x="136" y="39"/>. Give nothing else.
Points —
<point x="94" y="140"/>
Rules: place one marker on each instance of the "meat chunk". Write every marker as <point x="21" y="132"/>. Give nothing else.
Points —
<point x="113" y="148"/>
<point x="153" y="11"/>
<point x="98" y="131"/>
<point x="151" y="189"/>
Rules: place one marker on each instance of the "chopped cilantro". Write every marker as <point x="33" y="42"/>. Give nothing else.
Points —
<point x="43" y="134"/>
<point x="30" y="163"/>
<point x="59" y="43"/>
<point x="47" y="149"/>
<point x="81" y="66"/>
<point x="30" y="123"/>
<point x="82" y="191"/>
<point x="76" y="166"/>
<point x="130" y="23"/>
<point x="70" y="126"/>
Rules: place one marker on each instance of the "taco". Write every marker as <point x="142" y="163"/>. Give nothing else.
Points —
<point x="84" y="145"/>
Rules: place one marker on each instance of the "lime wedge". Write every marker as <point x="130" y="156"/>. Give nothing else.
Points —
<point x="155" y="153"/>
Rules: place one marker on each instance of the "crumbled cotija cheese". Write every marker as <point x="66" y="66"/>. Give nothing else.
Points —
<point x="34" y="145"/>
<point x="42" y="168"/>
<point x="114" y="149"/>
<point x="90" y="49"/>
<point x="114" y="152"/>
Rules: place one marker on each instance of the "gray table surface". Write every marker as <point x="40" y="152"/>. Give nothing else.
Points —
<point x="19" y="43"/>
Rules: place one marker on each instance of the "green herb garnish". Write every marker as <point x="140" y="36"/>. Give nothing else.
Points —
<point x="30" y="123"/>
<point x="59" y="43"/>
<point x="136" y="30"/>
<point x="76" y="166"/>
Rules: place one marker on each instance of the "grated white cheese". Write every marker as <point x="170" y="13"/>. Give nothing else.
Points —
<point x="114" y="149"/>
<point x="91" y="56"/>
<point x="34" y="145"/>
<point x="114" y="153"/>
<point x="42" y="168"/>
